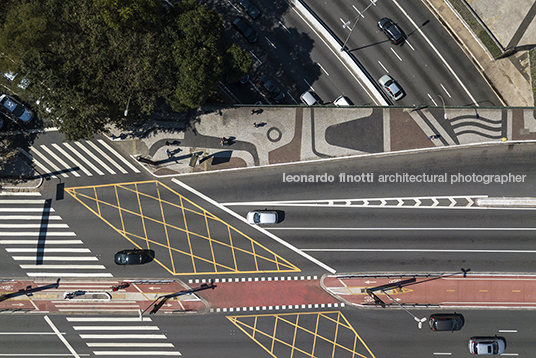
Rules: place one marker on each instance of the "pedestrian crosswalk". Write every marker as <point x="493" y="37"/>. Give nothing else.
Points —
<point x="41" y="244"/>
<point x="123" y="336"/>
<point x="81" y="158"/>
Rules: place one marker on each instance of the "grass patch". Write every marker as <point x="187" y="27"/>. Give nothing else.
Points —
<point x="477" y="28"/>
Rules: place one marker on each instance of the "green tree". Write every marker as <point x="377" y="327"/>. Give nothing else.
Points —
<point x="86" y="59"/>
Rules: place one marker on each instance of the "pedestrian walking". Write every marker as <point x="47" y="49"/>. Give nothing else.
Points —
<point x="435" y="136"/>
<point x="255" y="125"/>
<point x="223" y="141"/>
<point x="167" y="142"/>
<point x="168" y="152"/>
<point x="252" y="111"/>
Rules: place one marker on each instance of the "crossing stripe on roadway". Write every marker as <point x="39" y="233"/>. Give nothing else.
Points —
<point x="130" y="165"/>
<point x="68" y="156"/>
<point x="84" y="159"/>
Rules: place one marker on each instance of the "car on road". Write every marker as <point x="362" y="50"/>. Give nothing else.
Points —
<point x="133" y="257"/>
<point x="269" y="86"/>
<point x="392" y="30"/>
<point x="17" y="109"/>
<point x="245" y="29"/>
<point x="343" y="101"/>
<point x="309" y="98"/>
<point x="446" y="322"/>
<point x="487" y="345"/>
<point x="392" y="88"/>
<point x="249" y="9"/>
<point x="262" y="217"/>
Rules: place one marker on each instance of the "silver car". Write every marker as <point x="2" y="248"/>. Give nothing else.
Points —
<point x="487" y="345"/>
<point x="262" y="217"/>
<point x="392" y="88"/>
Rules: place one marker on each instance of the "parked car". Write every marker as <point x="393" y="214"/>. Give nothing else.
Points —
<point x="446" y="322"/>
<point x="245" y="29"/>
<point x="249" y="8"/>
<point x="487" y="345"/>
<point x="262" y="217"/>
<point x="16" y="108"/>
<point x="269" y="86"/>
<point x="133" y="257"/>
<point x="309" y="98"/>
<point x="391" y="87"/>
<point x="391" y="29"/>
<point x="343" y="101"/>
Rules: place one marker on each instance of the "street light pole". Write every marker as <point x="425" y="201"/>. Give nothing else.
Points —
<point x="347" y="23"/>
<point x="444" y="111"/>
<point x="419" y="320"/>
<point x="128" y="102"/>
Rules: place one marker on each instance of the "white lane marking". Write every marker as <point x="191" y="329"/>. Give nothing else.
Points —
<point x="385" y="69"/>
<point x="107" y="157"/>
<point x="62" y="274"/>
<point x="28" y="201"/>
<point x="95" y="158"/>
<point x="114" y="152"/>
<point x="21" y="193"/>
<point x="62" y="267"/>
<point x="444" y="89"/>
<point x="407" y="228"/>
<point x="108" y="319"/>
<point x="67" y="145"/>
<point x="36" y="242"/>
<point x="131" y="344"/>
<point x="45" y="250"/>
<point x="68" y="156"/>
<point x="393" y="50"/>
<point x="28" y="217"/>
<point x="267" y="233"/>
<point x="270" y="42"/>
<point x="442" y="354"/>
<point x="38" y="163"/>
<point x="407" y="42"/>
<point x="136" y="353"/>
<point x="507" y="330"/>
<point x="123" y="336"/>
<point x="26" y="210"/>
<point x="61" y="337"/>
<point x="510" y="354"/>
<point x="36" y="233"/>
<point x="59" y="160"/>
<point x="49" y="162"/>
<point x="322" y="68"/>
<point x="438" y="54"/>
<point x="432" y="99"/>
<point x="33" y="226"/>
<point x="116" y="328"/>
<point x="425" y="250"/>
<point x="57" y="258"/>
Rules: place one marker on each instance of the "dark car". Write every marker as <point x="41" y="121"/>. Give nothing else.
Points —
<point x="16" y="109"/>
<point x="446" y="322"/>
<point x="391" y="29"/>
<point x="249" y="8"/>
<point x="274" y="91"/>
<point x="133" y="257"/>
<point x="245" y="29"/>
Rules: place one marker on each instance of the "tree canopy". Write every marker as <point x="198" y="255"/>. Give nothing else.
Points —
<point x="87" y="60"/>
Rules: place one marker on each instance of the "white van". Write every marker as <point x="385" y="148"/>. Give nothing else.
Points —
<point x="309" y="98"/>
<point x="343" y="101"/>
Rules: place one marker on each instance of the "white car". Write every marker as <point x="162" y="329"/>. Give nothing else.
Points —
<point x="391" y="87"/>
<point x="487" y="345"/>
<point x="262" y="217"/>
<point x="16" y="108"/>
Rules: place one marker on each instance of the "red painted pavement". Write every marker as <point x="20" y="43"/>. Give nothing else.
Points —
<point x="517" y="291"/>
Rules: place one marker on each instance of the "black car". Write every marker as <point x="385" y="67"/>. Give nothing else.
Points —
<point x="391" y="29"/>
<point x="245" y="29"/>
<point x="446" y="322"/>
<point x="249" y="8"/>
<point x="274" y="91"/>
<point x="133" y="257"/>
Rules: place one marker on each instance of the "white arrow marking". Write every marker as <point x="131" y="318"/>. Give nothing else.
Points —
<point x="417" y="202"/>
<point x="154" y="288"/>
<point x="383" y="202"/>
<point x="400" y="202"/>
<point x="453" y="202"/>
<point x="368" y="282"/>
<point x="470" y="202"/>
<point x="435" y="202"/>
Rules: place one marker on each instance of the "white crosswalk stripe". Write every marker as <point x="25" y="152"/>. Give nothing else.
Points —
<point x="45" y="253"/>
<point x="81" y="158"/>
<point x="116" y="335"/>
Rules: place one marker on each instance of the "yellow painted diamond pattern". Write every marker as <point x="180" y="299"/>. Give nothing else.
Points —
<point x="186" y="238"/>
<point x="311" y="334"/>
